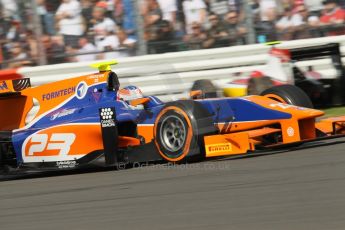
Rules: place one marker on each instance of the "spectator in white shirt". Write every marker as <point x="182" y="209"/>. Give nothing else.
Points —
<point x="108" y="44"/>
<point x="267" y="6"/>
<point x="313" y="5"/>
<point x="104" y="29"/>
<point x="169" y="9"/>
<point x="310" y="23"/>
<point x="219" y="7"/>
<point x="194" y="11"/>
<point x="287" y="25"/>
<point x="10" y="8"/>
<point x="289" y="20"/>
<point x="307" y="18"/>
<point x="69" y="21"/>
<point x="86" y="51"/>
<point x="127" y="43"/>
<point x="101" y="23"/>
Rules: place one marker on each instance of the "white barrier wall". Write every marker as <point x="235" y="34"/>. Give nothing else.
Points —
<point x="171" y="75"/>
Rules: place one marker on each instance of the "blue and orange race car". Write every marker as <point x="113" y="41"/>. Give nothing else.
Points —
<point x="90" y="120"/>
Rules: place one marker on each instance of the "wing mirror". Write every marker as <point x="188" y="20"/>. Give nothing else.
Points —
<point x="196" y="94"/>
<point x="113" y="82"/>
<point x="139" y="101"/>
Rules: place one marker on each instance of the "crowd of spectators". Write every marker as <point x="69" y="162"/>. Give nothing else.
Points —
<point x="88" y="30"/>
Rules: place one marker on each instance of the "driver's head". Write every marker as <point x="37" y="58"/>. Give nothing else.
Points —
<point x="129" y="93"/>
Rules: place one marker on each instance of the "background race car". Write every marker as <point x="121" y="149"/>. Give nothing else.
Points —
<point x="281" y="68"/>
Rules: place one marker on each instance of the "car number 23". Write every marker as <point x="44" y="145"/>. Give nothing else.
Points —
<point x="54" y="144"/>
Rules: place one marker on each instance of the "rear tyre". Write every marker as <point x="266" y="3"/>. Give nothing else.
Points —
<point x="288" y="94"/>
<point x="209" y="90"/>
<point x="180" y="129"/>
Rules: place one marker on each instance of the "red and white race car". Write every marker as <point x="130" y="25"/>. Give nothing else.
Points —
<point x="281" y="69"/>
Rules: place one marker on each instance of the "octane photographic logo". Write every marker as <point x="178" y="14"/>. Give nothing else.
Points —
<point x="81" y="90"/>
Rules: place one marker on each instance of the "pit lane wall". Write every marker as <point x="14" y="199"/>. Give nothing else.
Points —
<point x="171" y="75"/>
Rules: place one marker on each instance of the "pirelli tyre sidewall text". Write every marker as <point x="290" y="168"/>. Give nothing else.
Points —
<point x="179" y="130"/>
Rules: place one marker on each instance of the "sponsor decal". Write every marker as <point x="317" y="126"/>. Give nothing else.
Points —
<point x="81" y="90"/>
<point x="107" y="118"/>
<point x="287" y="106"/>
<point x="95" y="76"/>
<point x="3" y="85"/>
<point x="55" y="144"/>
<point x="281" y="105"/>
<point x="20" y="84"/>
<point x="219" y="148"/>
<point x="107" y="123"/>
<point x="66" y="164"/>
<point x="62" y="113"/>
<point x="301" y="108"/>
<point x="106" y="113"/>
<point x="59" y="93"/>
<point x="290" y="132"/>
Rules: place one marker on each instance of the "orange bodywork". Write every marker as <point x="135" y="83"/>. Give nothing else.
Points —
<point x="12" y="116"/>
<point x="139" y="101"/>
<point x="65" y="88"/>
<point x="53" y="141"/>
<point x="333" y="125"/>
<point x="6" y="86"/>
<point x="146" y="131"/>
<point x="227" y="144"/>
<point x="241" y="137"/>
<point x="18" y="106"/>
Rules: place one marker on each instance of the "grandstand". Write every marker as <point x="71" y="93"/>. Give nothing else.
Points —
<point x="38" y="32"/>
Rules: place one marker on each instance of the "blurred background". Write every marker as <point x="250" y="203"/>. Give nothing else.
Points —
<point x="40" y="32"/>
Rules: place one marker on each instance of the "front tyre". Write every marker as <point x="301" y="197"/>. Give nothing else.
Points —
<point x="288" y="94"/>
<point x="180" y="129"/>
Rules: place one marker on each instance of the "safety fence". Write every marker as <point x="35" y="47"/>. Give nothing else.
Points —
<point x="171" y="75"/>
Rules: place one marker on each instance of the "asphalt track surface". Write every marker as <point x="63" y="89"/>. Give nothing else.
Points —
<point x="300" y="189"/>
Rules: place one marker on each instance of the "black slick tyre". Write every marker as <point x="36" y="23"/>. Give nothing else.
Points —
<point x="179" y="130"/>
<point x="288" y="94"/>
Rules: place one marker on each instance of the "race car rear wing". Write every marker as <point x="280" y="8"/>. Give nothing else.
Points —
<point x="12" y="103"/>
<point x="307" y="53"/>
<point x="331" y="50"/>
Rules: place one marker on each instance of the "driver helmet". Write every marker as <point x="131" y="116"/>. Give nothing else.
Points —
<point x="129" y="93"/>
